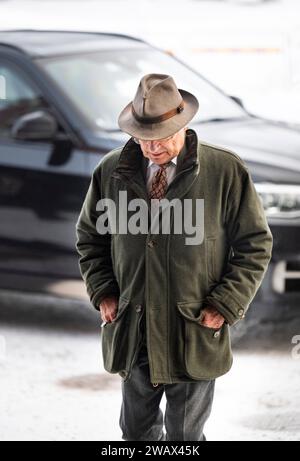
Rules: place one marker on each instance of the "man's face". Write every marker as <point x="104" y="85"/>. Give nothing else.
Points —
<point x="163" y="150"/>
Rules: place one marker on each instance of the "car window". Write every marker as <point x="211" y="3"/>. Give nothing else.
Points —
<point x="20" y="97"/>
<point x="101" y="83"/>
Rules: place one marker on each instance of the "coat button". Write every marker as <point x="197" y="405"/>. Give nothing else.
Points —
<point x="216" y="334"/>
<point x="241" y="312"/>
<point x="138" y="307"/>
<point x="151" y="244"/>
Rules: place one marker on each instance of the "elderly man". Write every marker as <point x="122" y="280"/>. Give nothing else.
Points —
<point x="167" y="304"/>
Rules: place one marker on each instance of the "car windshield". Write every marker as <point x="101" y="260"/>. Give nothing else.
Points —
<point x="102" y="83"/>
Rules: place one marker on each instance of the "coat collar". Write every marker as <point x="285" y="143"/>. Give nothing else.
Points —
<point x="132" y="168"/>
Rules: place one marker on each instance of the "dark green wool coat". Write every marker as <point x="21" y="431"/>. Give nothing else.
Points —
<point x="169" y="281"/>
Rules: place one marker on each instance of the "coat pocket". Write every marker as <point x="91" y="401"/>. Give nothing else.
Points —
<point x="207" y="351"/>
<point x="114" y="339"/>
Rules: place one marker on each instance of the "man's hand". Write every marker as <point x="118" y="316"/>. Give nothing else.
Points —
<point x="108" y="308"/>
<point x="212" y="318"/>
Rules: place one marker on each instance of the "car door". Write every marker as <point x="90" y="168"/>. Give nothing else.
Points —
<point x="42" y="186"/>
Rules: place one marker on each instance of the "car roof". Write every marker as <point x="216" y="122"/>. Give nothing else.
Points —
<point x="44" y="43"/>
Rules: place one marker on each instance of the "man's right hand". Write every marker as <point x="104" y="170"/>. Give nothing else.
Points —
<point x="108" y="308"/>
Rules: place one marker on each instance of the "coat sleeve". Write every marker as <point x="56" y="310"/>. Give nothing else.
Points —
<point x="251" y="241"/>
<point x="94" y="249"/>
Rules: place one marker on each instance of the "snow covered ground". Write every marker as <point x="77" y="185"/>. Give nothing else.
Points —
<point x="250" y="49"/>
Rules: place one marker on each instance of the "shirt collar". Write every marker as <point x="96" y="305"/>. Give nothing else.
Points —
<point x="150" y="162"/>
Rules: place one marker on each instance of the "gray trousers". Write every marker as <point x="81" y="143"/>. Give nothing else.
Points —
<point x="188" y="406"/>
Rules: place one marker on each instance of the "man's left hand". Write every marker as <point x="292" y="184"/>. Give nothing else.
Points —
<point x="212" y="318"/>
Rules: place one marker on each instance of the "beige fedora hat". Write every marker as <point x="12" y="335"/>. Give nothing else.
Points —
<point x="159" y="108"/>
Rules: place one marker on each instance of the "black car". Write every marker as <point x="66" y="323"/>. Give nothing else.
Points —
<point x="61" y="93"/>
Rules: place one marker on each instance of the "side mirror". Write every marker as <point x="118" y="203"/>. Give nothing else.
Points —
<point x="38" y="125"/>
<point x="237" y="100"/>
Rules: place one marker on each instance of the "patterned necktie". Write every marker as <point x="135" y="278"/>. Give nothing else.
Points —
<point x="159" y="183"/>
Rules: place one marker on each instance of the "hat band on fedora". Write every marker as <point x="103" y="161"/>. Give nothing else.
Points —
<point x="159" y="118"/>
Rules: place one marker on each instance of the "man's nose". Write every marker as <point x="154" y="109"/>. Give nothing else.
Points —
<point x="153" y="146"/>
